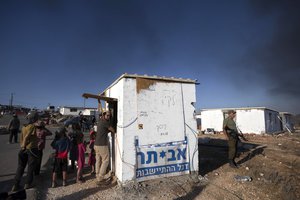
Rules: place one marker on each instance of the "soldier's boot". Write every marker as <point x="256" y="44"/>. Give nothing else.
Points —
<point x="232" y="164"/>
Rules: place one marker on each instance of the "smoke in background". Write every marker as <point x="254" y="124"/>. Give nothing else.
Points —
<point x="281" y="57"/>
<point x="275" y="61"/>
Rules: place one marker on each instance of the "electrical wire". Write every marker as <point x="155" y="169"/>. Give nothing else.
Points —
<point x="196" y="145"/>
<point x="118" y="147"/>
<point x="183" y="112"/>
<point x="128" y="124"/>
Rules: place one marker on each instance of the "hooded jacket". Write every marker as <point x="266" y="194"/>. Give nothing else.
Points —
<point x="29" y="139"/>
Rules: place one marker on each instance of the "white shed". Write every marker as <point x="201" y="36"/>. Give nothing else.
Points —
<point x="256" y="120"/>
<point x="67" y="110"/>
<point x="156" y="127"/>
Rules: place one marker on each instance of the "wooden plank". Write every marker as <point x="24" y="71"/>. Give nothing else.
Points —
<point x="99" y="97"/>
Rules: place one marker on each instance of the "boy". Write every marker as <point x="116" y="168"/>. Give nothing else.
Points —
<point x="61" y="144"/>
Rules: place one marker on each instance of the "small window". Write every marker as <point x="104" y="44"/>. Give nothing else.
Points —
<point x="73" y="109"/>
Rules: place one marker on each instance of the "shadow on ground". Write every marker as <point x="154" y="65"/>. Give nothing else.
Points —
<point x="86" y="192"/>
<point x="44" y="182"/>
<point x="196" y="190"/>
<point x="213" y="153"/>
<point x="6" y="185"/>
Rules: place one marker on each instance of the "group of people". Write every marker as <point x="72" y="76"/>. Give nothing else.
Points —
<point x="68" y="144"/>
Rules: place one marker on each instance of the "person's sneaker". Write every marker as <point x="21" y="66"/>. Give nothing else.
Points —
<point x="16" y="187"/>
<point x="82" y="179"/>
<point x="9" y="143"/>
<point x="28" y="186"/>
<point x="100" y="182"/>
<point x="53" y="185"/>
<point x="93" y="173"/>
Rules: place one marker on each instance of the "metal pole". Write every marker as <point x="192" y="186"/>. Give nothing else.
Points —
<point x="11" y="101"/>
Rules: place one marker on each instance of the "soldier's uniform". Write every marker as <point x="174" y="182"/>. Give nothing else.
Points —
<point x="230" y="126"/>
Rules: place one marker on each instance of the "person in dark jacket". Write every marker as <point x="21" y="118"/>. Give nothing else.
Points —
<point x="13" y="127"/>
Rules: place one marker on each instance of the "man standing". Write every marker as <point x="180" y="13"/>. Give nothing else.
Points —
<point x="101" y="146"/>
<point x="231" y="132"/>
<point x="28" y="154"/>
<point x="13" y="128"/>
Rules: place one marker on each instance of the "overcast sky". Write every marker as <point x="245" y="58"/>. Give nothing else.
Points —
<point x="243" y="53"/>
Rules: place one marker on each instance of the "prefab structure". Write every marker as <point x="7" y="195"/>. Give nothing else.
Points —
<point x="198" y="119"/>
<point x="156" y="127"/>
<point x="287" y="123"/>
<point x="256" y="120"/>
<point x="67" y="110"/>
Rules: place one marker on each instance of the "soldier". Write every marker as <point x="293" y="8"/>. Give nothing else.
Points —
<point x="231" y="132"/>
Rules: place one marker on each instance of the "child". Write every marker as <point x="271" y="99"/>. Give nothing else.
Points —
<point x="92" y="155"/>
<point x="72" y="133"/>
<point x="81" y="153"/>
<point x="41" y="133"/>
<point x="61" y="144"/>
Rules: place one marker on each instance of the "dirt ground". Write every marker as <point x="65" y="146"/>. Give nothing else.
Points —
<point x="271" y="161"/>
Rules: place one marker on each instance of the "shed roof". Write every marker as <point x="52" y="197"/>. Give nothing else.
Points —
<point x="145" y="76"/>
<point x="242" y="108"/>
<point x="285" y="113"/>
<point x="88" y="108"/>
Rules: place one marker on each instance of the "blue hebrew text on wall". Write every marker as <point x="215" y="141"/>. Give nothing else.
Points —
<point x="162" y="159"/>
<point x="165" y="169"/>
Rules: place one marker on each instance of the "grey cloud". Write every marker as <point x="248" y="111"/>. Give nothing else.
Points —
<point x="276" y="62"/>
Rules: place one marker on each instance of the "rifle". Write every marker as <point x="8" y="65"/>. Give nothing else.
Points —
<point x="241" y="135"/>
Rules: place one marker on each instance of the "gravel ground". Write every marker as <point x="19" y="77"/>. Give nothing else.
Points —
<point x="271" y="161"/>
